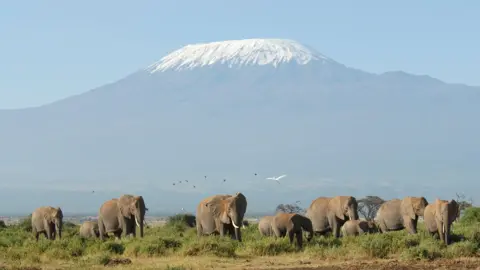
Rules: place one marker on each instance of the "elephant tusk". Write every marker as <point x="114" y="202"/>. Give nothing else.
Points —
<point x="443" y="228"/>
<point x="234" y="225"/>
<point x="136" y="221"/>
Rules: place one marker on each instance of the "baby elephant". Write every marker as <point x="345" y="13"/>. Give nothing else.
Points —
<point x="292" y="225"/>
<point x="357" y="227"/>
<point x="265" y="226"/>
<point x="89" y="229"/>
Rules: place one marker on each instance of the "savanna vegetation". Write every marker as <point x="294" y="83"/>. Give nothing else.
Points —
<point x="176" y="246"/>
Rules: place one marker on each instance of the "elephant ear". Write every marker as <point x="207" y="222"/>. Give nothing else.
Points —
<point x="124" y="204"/>
<point x="339" y="204"/>
<point x="238" y="203"/>
<point x="218" y="207"/>
<point x="47" y="215"/>
<point x="454" y="209"/>
<point x="140" y="203"/>
<point x="407" y="207"/>
<point x="58" y="212"/>
<point x="438" y="208"/>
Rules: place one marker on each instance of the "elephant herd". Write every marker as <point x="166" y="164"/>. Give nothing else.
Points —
<point x="338" y="215"/>
<point x="223" y="214"/>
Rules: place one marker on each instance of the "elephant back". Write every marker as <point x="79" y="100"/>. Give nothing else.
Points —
<point x="109" y="208"/>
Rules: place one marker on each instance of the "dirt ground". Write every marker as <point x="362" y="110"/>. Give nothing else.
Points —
<point x="292" y="263"/>
<point x="260" y="263"/>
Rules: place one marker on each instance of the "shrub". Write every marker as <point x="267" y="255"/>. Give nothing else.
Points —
<point x="471" y="215"/>
<point x="183" y="219"/>
<point x="215" y="245"/>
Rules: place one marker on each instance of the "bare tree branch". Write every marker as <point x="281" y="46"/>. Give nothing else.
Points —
<point x="369" y="206"/>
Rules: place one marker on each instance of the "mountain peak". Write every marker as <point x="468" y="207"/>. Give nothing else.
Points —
<point x="237" y="53"/>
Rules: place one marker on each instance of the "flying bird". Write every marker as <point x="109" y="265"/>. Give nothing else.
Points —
<point x="224" y="180"/>
<point x="276" y="178"/>
<point x="186" y="181"/>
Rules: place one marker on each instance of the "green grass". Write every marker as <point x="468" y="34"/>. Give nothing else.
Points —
<point x="176" y="239"/>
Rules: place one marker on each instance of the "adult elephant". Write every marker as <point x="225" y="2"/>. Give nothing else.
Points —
<point x="221" y="214"/>
<point x="47" y="220"/>
<point x="330" y="213"/>
<point x="402" y="214"/>
<point x="293" y="225"/>
<point x="89" y="229"/>
<point x="265" y="226"/>
<point x="120" y="215"/>
<point x="439" y="216"/>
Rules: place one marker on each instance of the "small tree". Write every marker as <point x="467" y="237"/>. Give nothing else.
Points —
<point x="289" y="208"/>
<point x="463" y="202"/>
<point x="369" y="206"/>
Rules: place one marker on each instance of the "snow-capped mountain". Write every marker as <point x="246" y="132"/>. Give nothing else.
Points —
<point x="239" y="53"/>
<point x="230" y="109"/>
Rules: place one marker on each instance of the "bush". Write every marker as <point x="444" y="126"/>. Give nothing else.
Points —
<point x="471" y="215"/>
<point x="184" y="219"/>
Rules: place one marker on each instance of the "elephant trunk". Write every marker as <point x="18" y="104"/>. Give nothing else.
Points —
<point x="238" y="234"/>
<point x="140" y="223"/>
<point x="446" y="227"/>
<point x="352" y="213"/>
<point x="237" y="225"/>
<point x="58" y="227"/>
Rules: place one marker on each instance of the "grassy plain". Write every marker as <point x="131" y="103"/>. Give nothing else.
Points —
<point x="176" y="246"/>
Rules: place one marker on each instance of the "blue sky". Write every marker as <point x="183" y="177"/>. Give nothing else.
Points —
<point x="53" y="49"/>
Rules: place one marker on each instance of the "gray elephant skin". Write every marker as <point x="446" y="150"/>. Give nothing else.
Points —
<point x="358" y="227"/>
<point x="265" y="226"/>
<point x="293" y="225"/>
<point x="330" y="213"/>
<point x="120" y="215"/>
<point x="47" y="220"/>
<point x="439" y="216"/>
<point x="89" y="229"/>
<point x="221" y="214"/>
<point x="402" y="214"/>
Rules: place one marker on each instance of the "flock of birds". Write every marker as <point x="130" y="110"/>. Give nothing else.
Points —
<point x="274" y="178"/>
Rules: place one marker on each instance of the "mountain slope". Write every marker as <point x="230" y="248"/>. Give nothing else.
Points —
<point x="230" y="109"/>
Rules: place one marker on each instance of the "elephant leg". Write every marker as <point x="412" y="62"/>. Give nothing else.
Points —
<point x="231" y="231"/>
<point x="291" y="234"/>
<point x="221" y="228"/>
<point x="334" y="226"/>
<point x="440" y="230"/>
<point x="382" y="226"/>
<point x="408" y="224"/>
<point x="118" y="234"/>
<point x="414" y="223"/>
<point x="35" y="233"/>
<point x="199" y="229"/>
<point x="276" y="232"/>
<point x="299" y="239"/>
<point x="124" y="226"/>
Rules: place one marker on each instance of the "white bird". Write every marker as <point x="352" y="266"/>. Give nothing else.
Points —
<point x="276" y="178"/>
